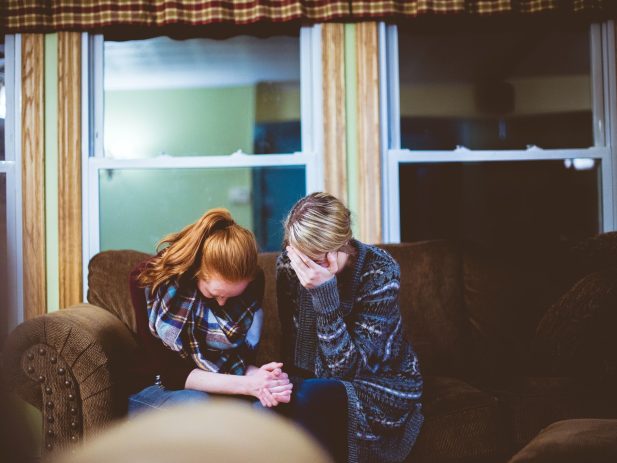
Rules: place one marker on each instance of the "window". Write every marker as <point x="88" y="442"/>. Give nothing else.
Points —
<point x="498" y="134"/>
<point x="11" y="304"/>
<point x="181" y="126"/>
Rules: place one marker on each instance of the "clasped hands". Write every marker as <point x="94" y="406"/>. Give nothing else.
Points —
<point x="270" y="384"/>
<point x="312" y="273"/>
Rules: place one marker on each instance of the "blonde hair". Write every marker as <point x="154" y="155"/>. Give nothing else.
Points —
<point x="317" y="224"/>
<point x="214" y="245"/>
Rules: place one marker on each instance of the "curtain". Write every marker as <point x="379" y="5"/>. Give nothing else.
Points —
<point x="86" y="15"/>
<point x="416" y="8"/>
<point x="89" y="15"/>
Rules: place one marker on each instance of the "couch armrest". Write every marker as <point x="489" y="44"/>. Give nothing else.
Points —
<point x="72" y="365"/>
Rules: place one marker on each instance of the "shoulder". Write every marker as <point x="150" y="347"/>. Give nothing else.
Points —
<point x="379" y="264"/>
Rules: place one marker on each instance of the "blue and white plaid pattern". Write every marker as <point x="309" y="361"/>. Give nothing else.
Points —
<point x="218" y="339"/>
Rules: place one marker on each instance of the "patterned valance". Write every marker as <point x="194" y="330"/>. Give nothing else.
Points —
<point x="416" y="8"/>
<point x="87" y="15"/>
<point x="55" y="15"/>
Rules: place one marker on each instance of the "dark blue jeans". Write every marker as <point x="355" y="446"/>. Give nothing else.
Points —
<point x="155" y="396"/>
<point x="320" y="407"/>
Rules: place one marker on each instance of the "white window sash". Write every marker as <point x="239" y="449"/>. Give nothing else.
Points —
<point x="94" y="161"/>
<point x="604" y="102"/>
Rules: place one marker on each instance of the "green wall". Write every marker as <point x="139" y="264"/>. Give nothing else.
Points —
<point x="185" y="122"/>
<point x="139" y="207"/>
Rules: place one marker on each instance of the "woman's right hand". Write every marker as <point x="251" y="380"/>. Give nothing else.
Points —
<point x="270" y="384"/>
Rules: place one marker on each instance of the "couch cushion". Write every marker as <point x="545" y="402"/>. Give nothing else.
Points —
<point x="531" y="403"/>
<point x="431" y="304"/>
<point x="108" y="282"/>
<point x="579" y="329"/>
<point x="461" y="424"/>
<point x="572" y="441"/>
<point x="506" y="291"/>
<point x="270" y="344"/>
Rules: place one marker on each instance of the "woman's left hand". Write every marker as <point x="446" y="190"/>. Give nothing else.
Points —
<point x="310" y="273"/>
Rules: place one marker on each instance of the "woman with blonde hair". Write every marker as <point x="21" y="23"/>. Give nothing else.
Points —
<point x="198" y="311"/>
<point x="357" y="384"/>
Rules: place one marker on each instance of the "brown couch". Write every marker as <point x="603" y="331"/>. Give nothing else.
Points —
<point x="492" y="379"/>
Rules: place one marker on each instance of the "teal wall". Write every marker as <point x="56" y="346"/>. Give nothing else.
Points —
<point x="139" y="207"/>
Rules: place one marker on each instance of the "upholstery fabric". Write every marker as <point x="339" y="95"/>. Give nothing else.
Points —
<point x="108" y="283"/>
<point x="531" y="403"/>
<point x="579" y="329"/>
<point x="572" y="441"/>
<point x="506" y="292"/>
<point x="71" y="364"/>
<point x="431" y="304"/>
<point x="270" y="345"/>
<point x="462" y="423"/>
<point x="447" y="294"/>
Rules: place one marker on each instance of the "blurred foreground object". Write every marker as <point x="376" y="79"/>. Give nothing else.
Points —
<point x="221" y="430"/>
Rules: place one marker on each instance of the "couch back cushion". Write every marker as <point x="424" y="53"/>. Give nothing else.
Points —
<point x="507" y="289"/>
<point x="431" y="304"/>
<point x="108" y="287"/>
<point x="270" y="345"/>
<point x="108" y="282"/>
<point x="430" y="299"/>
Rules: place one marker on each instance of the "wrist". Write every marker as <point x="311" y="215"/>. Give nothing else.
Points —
<point x="325" y="296"/>
<point x="247" y="385"/>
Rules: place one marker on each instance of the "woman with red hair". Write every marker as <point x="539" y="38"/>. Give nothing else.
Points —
<point x="199" y="318"/>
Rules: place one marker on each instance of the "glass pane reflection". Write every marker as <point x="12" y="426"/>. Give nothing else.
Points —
<point x="499" y="88"/>
<point x="518" y="202"/>
<point x="202" y="96"/>
<point x="138" y="207"/>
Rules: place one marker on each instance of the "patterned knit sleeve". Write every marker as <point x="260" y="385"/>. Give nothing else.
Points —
<point x="286" y="301"/>
<point x="364" y="341"/>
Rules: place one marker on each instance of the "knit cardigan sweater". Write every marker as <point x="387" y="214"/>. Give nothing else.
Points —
<point x="350" y="328"/>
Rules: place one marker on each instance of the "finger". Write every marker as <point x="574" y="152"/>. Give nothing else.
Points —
<point x="283" y="398"/>
<point x="297" y="264"/>
<point x="300" y="257"/>
<point x="284" y="388"/>
<point x="271" y="366"/>
<point x="294" y="253"/>
<point x="270" y="398"/>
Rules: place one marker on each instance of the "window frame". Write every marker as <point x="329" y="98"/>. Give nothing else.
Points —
<point x="604" y="109"/>
<point x="11" y="167"/>
<point x="93" y="159"/>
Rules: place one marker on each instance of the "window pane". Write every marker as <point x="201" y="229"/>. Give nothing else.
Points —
<point x="2" y="96"/>
<point x="502" y="88"/>
<point x="4" y="309"/>
<point x="139" y="207"/>
<point x="517" y="202"/>
<point x="202" y="96"/>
